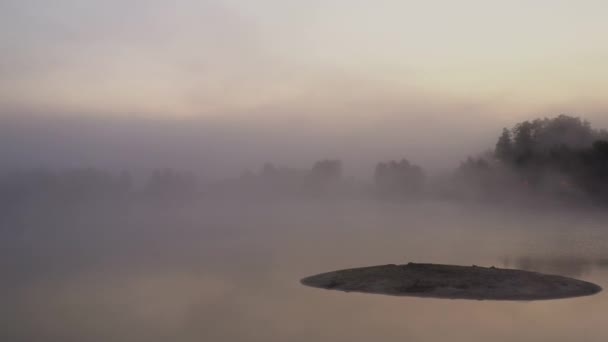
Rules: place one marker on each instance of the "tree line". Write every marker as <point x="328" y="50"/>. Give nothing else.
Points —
<point x="562" y="157"/>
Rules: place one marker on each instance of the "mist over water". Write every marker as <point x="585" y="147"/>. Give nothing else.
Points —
<point x="170" y="171"/>
<point x="98" y="254"/>
<point x="229" y="270"/>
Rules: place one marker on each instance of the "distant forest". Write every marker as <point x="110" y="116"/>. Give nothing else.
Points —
<point x="559" y="158"/>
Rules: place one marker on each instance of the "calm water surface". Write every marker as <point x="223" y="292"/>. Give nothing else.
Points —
<point x="231" y="271"/>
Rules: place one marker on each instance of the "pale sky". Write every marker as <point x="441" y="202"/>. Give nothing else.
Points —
<point x="290" y="80"/>
<point x="223" y="57"/>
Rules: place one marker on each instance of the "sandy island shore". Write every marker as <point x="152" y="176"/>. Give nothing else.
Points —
<point x="452" y="282"/>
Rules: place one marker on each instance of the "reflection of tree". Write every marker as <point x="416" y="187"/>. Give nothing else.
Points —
<point x="566" y="265"/>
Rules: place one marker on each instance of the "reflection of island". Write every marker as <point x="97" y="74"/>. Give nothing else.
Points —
<point x="452" y="282"/>
<point x="563" y="265"/>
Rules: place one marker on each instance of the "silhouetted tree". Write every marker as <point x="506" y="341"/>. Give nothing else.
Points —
<point x="269" y="171"/>
<point x="562" y="155"/>
<point x="504" y="146"/>
<point x="327" y="171"/>
<point x="601" y="148"/>
<point x="524" y="141"/>
<point x="168" y="183"/>
<point x="565" y="130"/>
<point x="399" y="178"/>
<point x="325" y="177"/>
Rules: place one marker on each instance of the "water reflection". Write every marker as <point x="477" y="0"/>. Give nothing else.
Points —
<point x="571" y="266"/>
<point x="208" y="274"/>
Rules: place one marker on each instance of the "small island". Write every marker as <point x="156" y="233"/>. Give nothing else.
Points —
<point x="452" y="282"/>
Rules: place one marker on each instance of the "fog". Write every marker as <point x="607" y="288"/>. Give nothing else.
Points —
<point x="229" y="270"/>
<point x="217" y="148"/>
<point x="113" y="230"/>
<point x="170" y="171"/>
<point x="222" y="147"/>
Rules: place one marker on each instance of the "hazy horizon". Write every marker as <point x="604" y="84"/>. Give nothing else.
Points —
<point x="226" y="85"/>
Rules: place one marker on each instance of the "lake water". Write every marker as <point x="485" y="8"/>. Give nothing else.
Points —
<point x="226" y="271"/>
